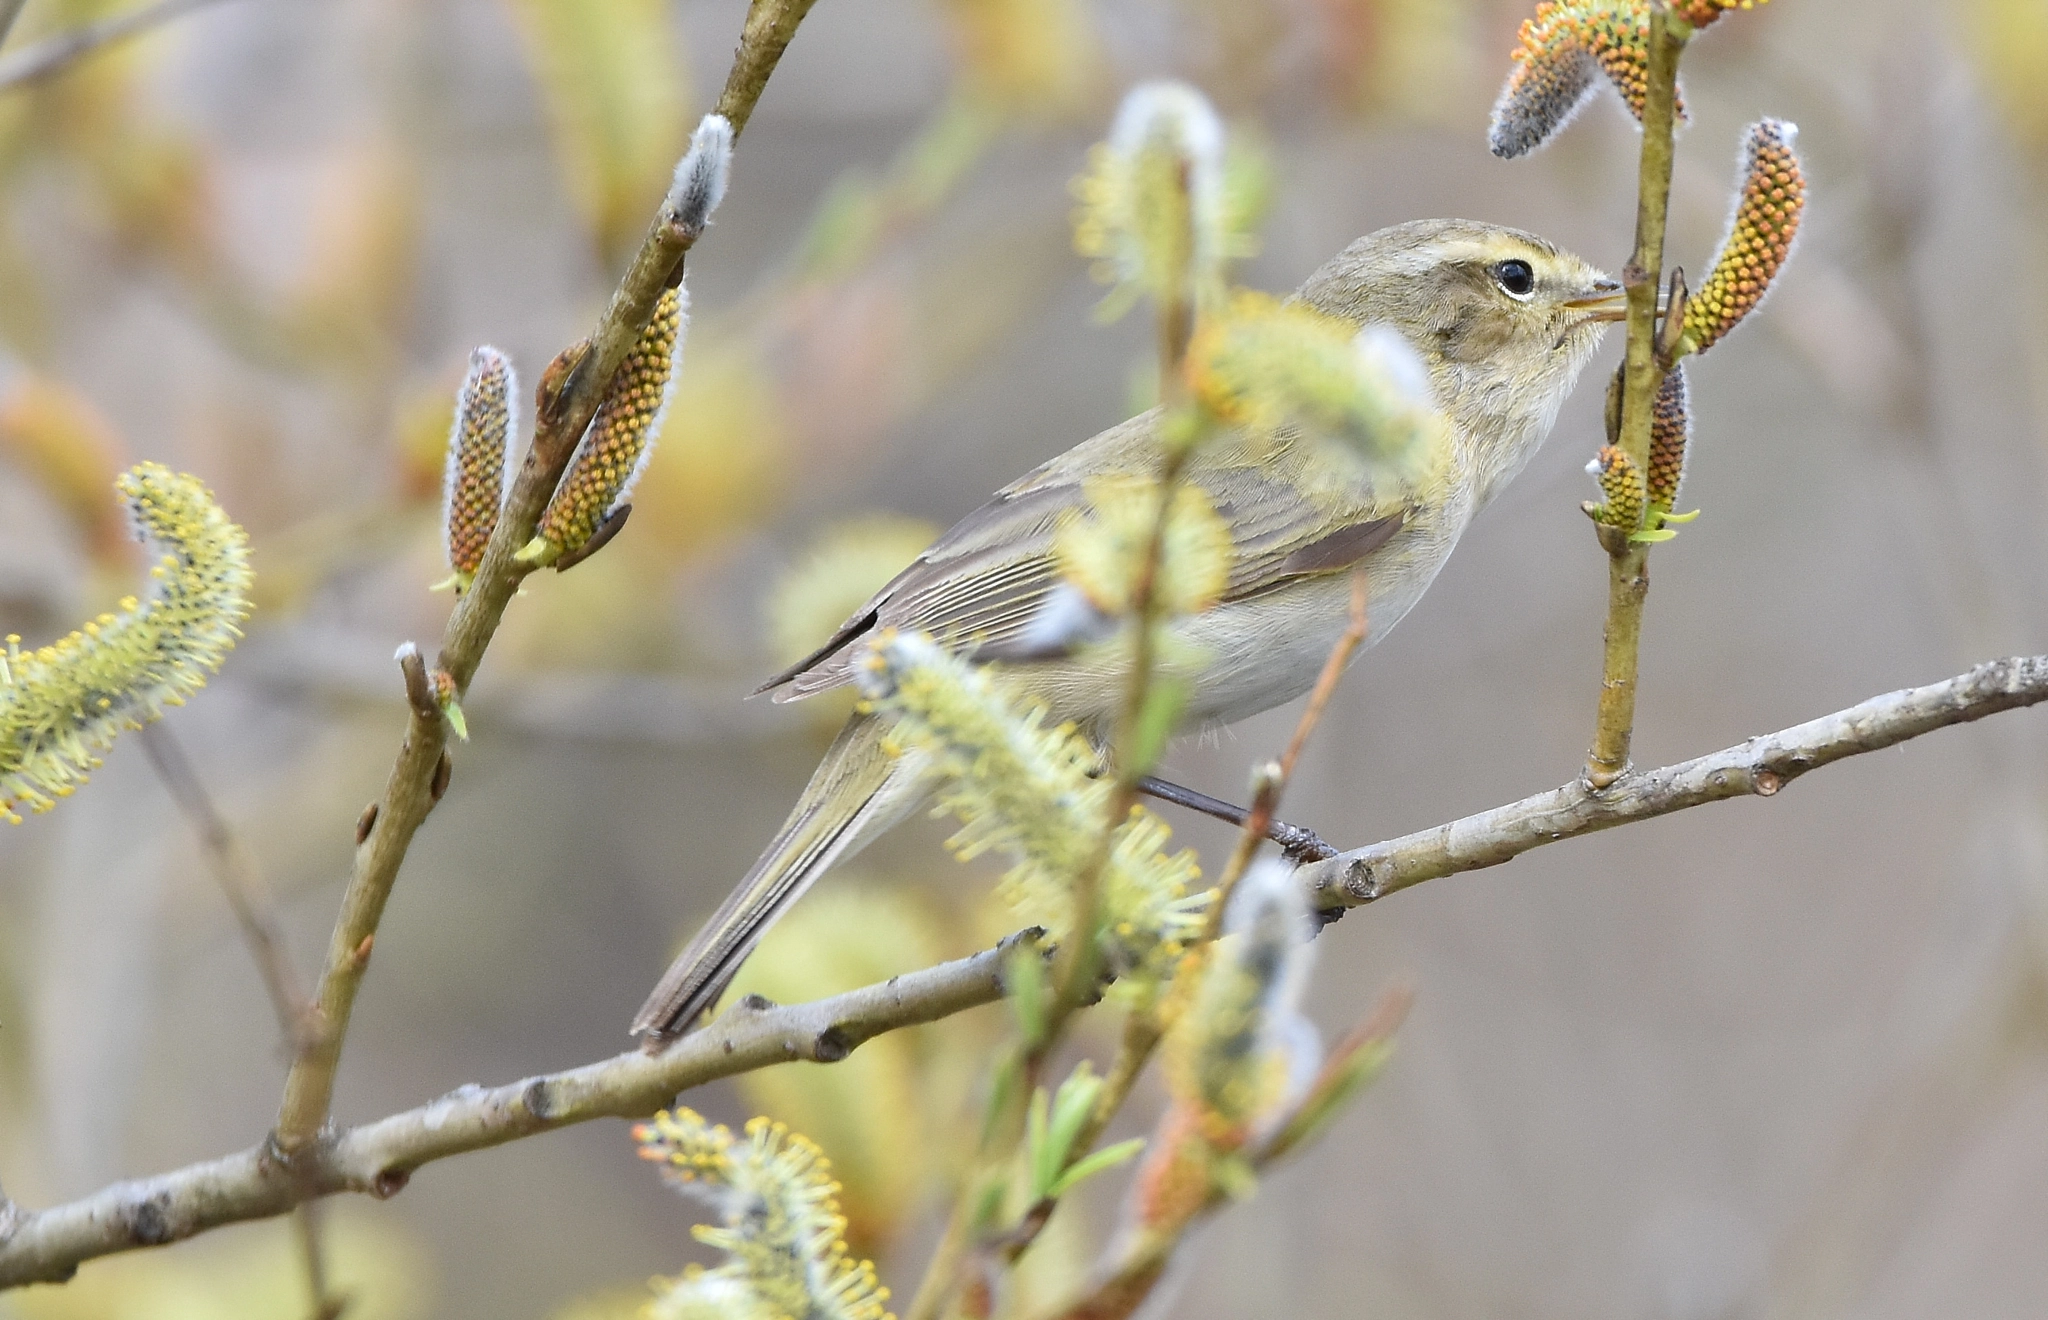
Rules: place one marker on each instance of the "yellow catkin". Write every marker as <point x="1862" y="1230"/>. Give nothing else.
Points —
<point x="62" y="705"/>
<point x="1026" y="788"/>
<point x="1621" y="482"/>
<point x="1759" y="239"/>
<point x="1700" y="13"/>
<point x="781" y="1229"/>
<point x="1670" y="435"/>
<point x="621" y="436"/>
<point x="1564" y="46"/>
<point x="473" y="489"/>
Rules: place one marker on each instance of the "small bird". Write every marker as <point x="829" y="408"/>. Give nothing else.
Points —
<point x="1504" y="322"/>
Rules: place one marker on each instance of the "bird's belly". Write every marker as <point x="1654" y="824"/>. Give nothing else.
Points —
<point x="1250" y="655"/>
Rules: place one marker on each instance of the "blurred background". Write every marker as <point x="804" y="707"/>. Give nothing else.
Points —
<point x="1757" y="1060"/>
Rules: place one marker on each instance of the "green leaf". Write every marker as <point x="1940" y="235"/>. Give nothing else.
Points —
<point x="1024" y="978"/>
<point x="1045" y="1162"/>
<point x="1088" y="1166"/>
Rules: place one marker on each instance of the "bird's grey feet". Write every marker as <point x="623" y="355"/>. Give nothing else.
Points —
<point x="1299" y="844"/>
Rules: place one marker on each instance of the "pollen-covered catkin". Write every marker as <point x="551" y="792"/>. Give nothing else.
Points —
<point x="616" y="448"/>
<point x="1700" y="13"/>
<point x="477" y="475"/>
<point x="781" y="1230"/>
<point x="62" y="705"/>
<point x="1767" y="212"/>
<point x="1621" y="482"/>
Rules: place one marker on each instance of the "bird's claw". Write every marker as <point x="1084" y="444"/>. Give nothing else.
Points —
<point x="1301" y="846"/>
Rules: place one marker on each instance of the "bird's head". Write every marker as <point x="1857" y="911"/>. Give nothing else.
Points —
<point x="1504" y="320"/>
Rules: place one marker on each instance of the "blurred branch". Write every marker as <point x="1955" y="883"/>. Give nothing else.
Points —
<point x="379" y="1157"/>
<point x="1761" y="767"/>
<point x="53" y="55"/>
<point x="256" y="913"/>
<point x="239" y="880"/>
<point x="570" y="391"/>
<point x="1628" y="576"/>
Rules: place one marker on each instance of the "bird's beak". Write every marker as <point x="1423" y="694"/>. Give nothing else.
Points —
<point x="1606" y="301"/>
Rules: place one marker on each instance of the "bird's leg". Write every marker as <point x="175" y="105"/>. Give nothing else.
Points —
<point x="1299" y="844"/>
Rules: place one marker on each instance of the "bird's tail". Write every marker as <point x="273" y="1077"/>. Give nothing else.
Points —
<point x="858" y="791"/>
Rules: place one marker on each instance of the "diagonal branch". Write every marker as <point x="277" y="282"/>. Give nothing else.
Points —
<point x="53" y="55"/>
<point x="378" y="1158"/>
<point x="1759" y="767"/>
<point x="569" y="394"/>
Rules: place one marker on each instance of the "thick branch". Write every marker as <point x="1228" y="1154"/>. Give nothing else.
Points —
<point x="378" y="1158"/>
<point x="1759" y="767"/>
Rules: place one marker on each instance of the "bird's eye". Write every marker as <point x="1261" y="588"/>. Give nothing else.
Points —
<point x="1515" y="278"/>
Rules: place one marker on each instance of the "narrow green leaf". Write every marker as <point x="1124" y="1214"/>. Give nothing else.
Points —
<point x="1089" y="1165"/>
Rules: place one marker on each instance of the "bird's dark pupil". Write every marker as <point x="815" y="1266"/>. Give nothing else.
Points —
<point x="1515" y="276"/>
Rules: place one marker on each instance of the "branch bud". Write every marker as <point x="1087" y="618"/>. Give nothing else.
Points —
<point x="700" y="176"/>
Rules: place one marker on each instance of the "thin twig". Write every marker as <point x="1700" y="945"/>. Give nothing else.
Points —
<point x="1628" y="580"/>
<point x="1266" y="799"/>
<point x="256" y="913"/>
<point x="9" y="11"/>
<point x="378" y="1158"/>
<point x="53" y="55"/>
<point x="569" y="393"/>
<point x="240" y="881"/>
<point x="1760" y="768"/>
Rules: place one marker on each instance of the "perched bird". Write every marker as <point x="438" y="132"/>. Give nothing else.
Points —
<point x="1504" y="322"/>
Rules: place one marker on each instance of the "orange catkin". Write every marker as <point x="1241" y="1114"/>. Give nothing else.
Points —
<point x="1700" y="13"/>
<point x="621" y="435"/>
<point x="1622" y="483"/>
<point x="1563" y="49"/>
<point x="474" y="489"/>
<point x="1759" y="239"/>
<point x="1670" y="433"/>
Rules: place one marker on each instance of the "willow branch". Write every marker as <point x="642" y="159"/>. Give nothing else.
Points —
<point x="1757" y="768"/>
<point x="378" y="1158"/>
<point x="53" y="55"/>
<point x="1628" y="578"/>
<point x="570" y="391"/>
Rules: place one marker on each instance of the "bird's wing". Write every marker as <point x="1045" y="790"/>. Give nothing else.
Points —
<point x="981" y="584"/>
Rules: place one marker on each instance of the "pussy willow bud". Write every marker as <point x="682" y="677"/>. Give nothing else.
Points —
<point x="1154" y="211"/>
<point x="1767" y="211"/>
<point x="1240" y="1047"/>
<point x="1670" y="434"/>
<point x="1564" y="48"/>
<point x="62" y="705"/>
<point x="615" y="450"/>
<point x="1102" y="551"/>
<point x="700" y="177"/>
<point x="1621" y="481"/>
<point x="1025" y="788"/>
<point x="478" y="476"/>
<point x="1264" y="364"/>
<point x="1700" y="13"/>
